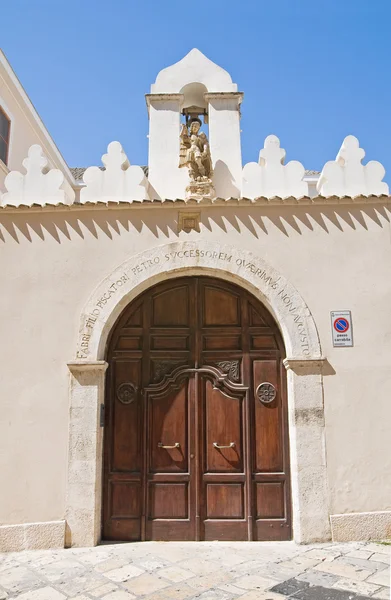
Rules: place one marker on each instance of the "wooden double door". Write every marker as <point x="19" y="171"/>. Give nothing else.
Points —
<point x="196" y="437"/>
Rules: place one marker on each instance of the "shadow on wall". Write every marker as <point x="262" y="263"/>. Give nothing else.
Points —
<point x="225" y="183"/>
<point x="258" y="221"/>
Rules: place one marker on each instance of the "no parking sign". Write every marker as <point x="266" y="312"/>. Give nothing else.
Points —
<point x="341" y="327"/>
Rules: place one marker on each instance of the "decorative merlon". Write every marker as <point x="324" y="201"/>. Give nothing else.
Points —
<point x="270" y="177"/>
<point x="119" y="181"/>
<point x="347" y="176"/>
<point x="39" y="185"/>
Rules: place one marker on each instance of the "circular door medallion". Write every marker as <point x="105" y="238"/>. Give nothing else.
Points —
<point x="266" y="392"/>
<point x="126" y="393"/>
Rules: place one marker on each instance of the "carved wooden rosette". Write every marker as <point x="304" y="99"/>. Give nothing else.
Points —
<point x="127" y="393"/>
<point x="266" y="392"/>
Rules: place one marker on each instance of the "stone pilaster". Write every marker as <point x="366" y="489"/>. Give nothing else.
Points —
<point x="84" y="490"/>
<point x="310" y="494"/>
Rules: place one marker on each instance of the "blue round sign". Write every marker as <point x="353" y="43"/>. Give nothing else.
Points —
<point x="341" y="325"/>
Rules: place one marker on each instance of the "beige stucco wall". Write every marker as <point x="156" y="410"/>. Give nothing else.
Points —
<point x="336" y="257"/>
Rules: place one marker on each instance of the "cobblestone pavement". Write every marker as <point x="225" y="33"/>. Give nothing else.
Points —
<point x="206" y="571"/>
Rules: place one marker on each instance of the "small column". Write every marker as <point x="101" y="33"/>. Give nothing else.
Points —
<point x="168" y="181"/>
<point x="84" y="489"/>
<point x="309" y="482"/>
<point x="225" y="146"/>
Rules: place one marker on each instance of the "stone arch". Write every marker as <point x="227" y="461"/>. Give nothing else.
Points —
<point x="225" y="262"/>
<point x="304" y="364"/>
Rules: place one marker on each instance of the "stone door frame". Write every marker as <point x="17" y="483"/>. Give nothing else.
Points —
<point x="304" y="363"/>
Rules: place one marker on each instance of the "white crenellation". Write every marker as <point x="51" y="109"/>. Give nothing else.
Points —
<point x="118" y="182"/>
<point x="39" y="185"/>
<point x="347" y="176"/>
<point x="270" y="177"/>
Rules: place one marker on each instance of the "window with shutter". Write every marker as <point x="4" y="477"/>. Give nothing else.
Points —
<point x="5" y="126"/>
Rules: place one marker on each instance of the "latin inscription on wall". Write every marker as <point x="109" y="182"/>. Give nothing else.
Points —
<point x="192" y="257"/>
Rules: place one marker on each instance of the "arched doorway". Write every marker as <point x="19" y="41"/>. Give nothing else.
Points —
<point x="196" y="445"/>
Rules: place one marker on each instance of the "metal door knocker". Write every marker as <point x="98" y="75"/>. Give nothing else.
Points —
<point x="127" y="393"/>
<point x="266" y="392"/>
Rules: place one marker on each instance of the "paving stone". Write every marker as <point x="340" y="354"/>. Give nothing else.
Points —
<point x="173" y="554"/>
<point x="364" y="554"/>
<point x="231" y="589"/>
<point x="161" y="571"/>
<point x="109" y="565"/>
<point x="247" y="567"/>
<point x="299" y="564"/>
<point x="179" y="591"/>
<point x="370" y="565"/>
<point x="93" y="558"/>
<point x="123" y="573"/>
<point x="289" y="587"/>
<point x="379" y="548"/>
<point x="103" y="589"/>
<point x="360" y="587"/>
<point x="175" y="573"/>
<point x="323" y="554"/>
<point x="342" y="569"/>
<point x="151" y="564"/>
<point x="380" y="577"/>
<point x="345" y="548"/>
<point x="145" y="584"/>
<point x="19" y="579"/>
<point x="322" y="593"/>
<point x="385" y="558"/>
<point x="254" y="582"/>
<point x="213" y="595"/>
<point x="231" y="560"/>
<point x="78" y="585"/>
<point x="7" y="564"/>
<point x="200" y="566"/>
<point x="61" y="570"/>
<point x="210" y="580"/>
<point x="119" y="595"/>
<point x="319" y="578"/>
<point x="383" y="594"/>
<point x="262" y="596"/>
<point x="46" y="593"/>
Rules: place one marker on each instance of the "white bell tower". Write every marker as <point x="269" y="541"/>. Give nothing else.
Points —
<point x="194" y="86"/>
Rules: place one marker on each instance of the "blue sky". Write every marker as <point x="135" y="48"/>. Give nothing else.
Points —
<point x="312" y="71"/>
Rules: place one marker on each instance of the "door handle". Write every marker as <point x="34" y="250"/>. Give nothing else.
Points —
<point x="231" y="445"/>
<point x="176" y="445"/>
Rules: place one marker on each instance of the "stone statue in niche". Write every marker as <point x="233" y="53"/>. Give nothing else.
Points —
<point x="195" y="155"/>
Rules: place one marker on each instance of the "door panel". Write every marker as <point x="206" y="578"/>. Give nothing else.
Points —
<point x="126" y="452"/>
<point x="171" y="482"/>
<point x="225" y="501"/>
<point x="223" y="426"/>
<point x="268" y="445"/>
<point x="171" y="307"/>
<point x="186" y="359"/>
<point x="168" y="427"/>
<point x="168" y="501"/>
